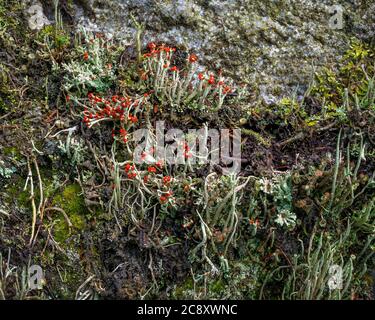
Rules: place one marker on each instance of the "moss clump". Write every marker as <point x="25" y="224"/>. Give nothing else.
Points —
<point x="184" y="290"/>
<point x="337" y="90"/>
<point x="257" y="136"/>
<point x="7" y="98"/>
<point x="59" y="37"/>
<point x="9" y="21"/>
<point x="12" y="152"/>
<point x="72" y="202"/>
<point x="15" y="192"/>
<point x="217" y="287"/>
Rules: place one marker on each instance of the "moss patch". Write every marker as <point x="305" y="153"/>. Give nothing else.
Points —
<point x="72" y="202"/>
<point x="184" y="290"/>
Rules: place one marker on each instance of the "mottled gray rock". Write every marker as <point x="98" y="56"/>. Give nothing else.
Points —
<point x="273" y="45"/>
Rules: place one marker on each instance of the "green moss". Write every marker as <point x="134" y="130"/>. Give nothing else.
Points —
<point x="217" y="287"/>
<point x="15" y="192"/>
<point x="12" y="25"/>
<point x="6" y="101"/>
<point x="68" y="274"/>
<point x="337" y="88"/>
<point x="71" y="199"/>
<point x="7" y="97"/>
<point x="72" y="202"/>
<point x="48" y="30"/>
<point x="59" y="37"/>
<point x="257" y="136"/>
<point x="7" y="20"/>
<point x="184" y="290"/>
<point x="12" y="152"/>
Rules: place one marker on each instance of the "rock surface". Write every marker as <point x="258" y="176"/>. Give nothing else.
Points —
<point x="273" y="45"/>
